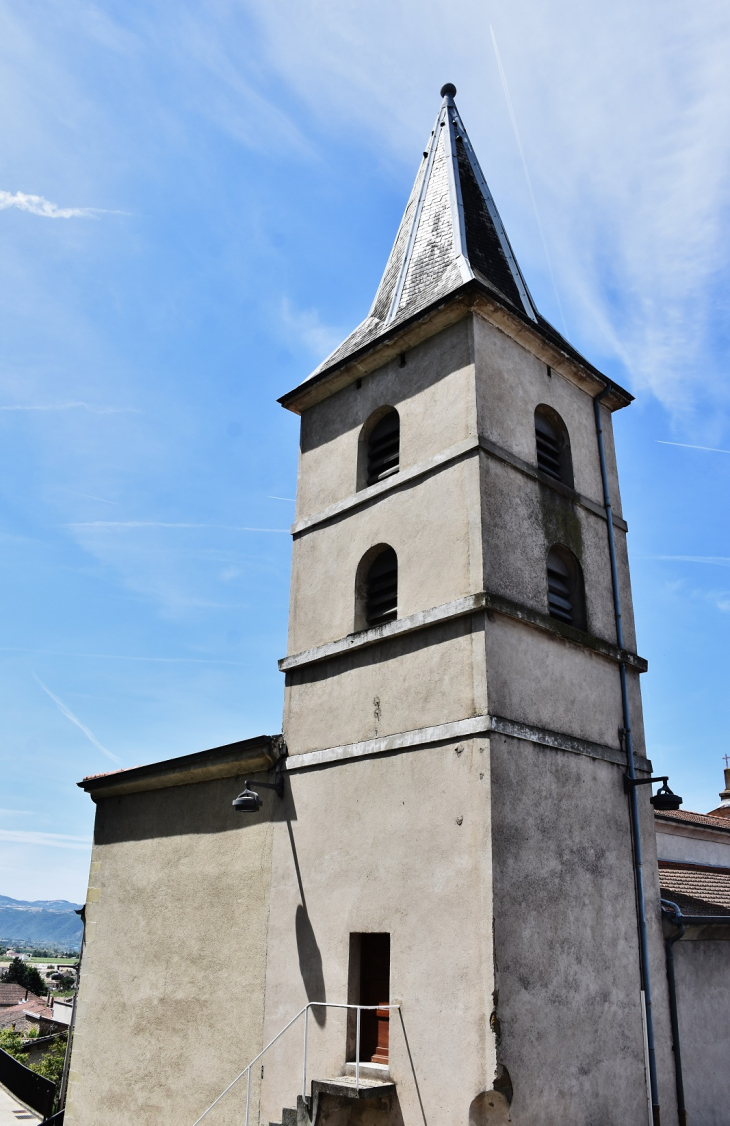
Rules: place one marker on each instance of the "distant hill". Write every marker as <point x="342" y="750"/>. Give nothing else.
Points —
<point x="43" y="922"/>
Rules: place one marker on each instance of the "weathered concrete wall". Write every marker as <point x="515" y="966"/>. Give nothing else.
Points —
<point x="400" y="844"/>
<point x="419" y="680"/>
<point x="691" y="844"/>
<point x="538" y="678"/>
<point x="431" y="394"/>
<point x="432" y="524"/>
<point x="522" y="517"/>
<point x="171" y="997"/>
<point x="567" y="979"/>
<point x="702" y="972"/>
<point x="511" y="383"/>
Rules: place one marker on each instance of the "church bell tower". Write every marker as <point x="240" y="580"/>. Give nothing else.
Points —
<point x="455" y="838"/>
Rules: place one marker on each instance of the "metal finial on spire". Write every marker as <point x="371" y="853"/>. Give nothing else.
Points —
<point x="448" y="90"/>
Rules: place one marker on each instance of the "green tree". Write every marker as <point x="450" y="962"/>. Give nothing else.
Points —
<point x="50" y="1066"/>
<point x="12" y="1043"/>
<point x="15" y="972"/>
<point x="27" y="976"/>
<point x="34" y="982"/>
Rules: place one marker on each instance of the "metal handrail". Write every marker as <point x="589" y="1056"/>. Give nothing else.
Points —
<point x="310" y="1005"/>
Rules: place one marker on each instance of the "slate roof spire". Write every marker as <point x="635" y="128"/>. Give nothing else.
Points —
<point x="451" y="231"/>
<point x="450" y="234"/>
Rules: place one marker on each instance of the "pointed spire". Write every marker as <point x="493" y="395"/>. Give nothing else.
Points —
<point x="451" y="231"/>
<point x="450" y="235"/>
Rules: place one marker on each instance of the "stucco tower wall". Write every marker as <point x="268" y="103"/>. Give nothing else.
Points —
<point x="401" y="844"/>
<point x="567" y="968"/>
<point x="171" y="998"/>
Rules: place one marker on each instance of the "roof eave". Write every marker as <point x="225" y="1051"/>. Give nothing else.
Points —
<point x="432" y="318"/>
<point x="245" y="756"/>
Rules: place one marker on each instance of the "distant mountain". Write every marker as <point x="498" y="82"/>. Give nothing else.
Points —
<point x="49" y="922"/>
<point x="49" y="904"/>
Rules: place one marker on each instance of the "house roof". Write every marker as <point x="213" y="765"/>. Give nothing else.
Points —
<point x="451" y="239"/>
<point x="14" y="1014"/>
<point x="695" y="888"/>
<point x="688" y="818"/>
<point x="11" y="993"/>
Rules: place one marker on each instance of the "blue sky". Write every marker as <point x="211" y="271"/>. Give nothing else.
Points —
<point x="196" y="203"/>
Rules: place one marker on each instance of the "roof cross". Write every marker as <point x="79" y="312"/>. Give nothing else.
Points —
<point x="727" y="761"/>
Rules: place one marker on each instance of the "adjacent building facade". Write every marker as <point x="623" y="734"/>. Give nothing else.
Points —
<point x="447" y="839"/>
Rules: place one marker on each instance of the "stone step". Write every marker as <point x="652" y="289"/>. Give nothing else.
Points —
<point x="288" y="1118"/>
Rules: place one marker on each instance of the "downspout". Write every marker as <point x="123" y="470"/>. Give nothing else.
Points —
<point x="633" y="800"/>
<point x="674" y="916"/>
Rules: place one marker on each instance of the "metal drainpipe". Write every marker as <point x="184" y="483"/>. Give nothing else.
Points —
<point x="669" y="942"/>
<point x="633" y="799"/>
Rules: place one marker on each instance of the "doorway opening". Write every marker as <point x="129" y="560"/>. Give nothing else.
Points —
<point x="369" y="985"/>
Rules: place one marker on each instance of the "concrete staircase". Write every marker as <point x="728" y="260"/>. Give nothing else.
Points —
<point x="336" y="1097"/>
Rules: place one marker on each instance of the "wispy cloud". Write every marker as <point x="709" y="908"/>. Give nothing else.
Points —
<point x="307" y="328"/>
<point x="292" y="499"/>
<point x="38" y="205"/>
<point x="74" y="719"/>
<point x="118" y="657"/>
<point x="716" y="560"/>
<point x="47" y="840"/>
<point x="687" y="446"/>
<point x="164" y="524"/>
<point x="68" y="407"/>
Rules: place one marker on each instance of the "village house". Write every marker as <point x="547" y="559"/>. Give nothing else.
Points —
<point x="442" y="882"/>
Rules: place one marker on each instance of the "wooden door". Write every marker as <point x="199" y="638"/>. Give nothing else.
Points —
<point x="374" y="990"/>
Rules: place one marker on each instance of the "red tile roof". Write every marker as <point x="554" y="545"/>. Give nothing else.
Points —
<point x="695" y="889"/>
<point x="16" y="1015"/>
<point x="11" y="993"/>
<point x="684" y="815"/>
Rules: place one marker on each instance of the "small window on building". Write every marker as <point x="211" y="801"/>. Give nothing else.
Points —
<point x="566" y="596"/>
<point x="553" y="446"/>
<point x="379" y="447"/>
<point x="376" y="588"/>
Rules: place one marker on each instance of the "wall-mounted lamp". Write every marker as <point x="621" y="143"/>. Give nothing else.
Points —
<point x="663" y="799"/>
<point x="248" y="801"/>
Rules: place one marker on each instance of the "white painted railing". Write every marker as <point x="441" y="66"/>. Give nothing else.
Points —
<point x="305" y="1013"/>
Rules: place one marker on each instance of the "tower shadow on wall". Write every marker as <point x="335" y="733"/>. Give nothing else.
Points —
<point x="308" y="952"/>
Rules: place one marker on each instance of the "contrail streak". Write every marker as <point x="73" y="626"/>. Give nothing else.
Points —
<point x="687" y="446"/>
<point x="74" y="719"/>
<point x="513" y="119"/>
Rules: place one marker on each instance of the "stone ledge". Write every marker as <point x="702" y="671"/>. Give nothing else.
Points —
<point x="420" y="738"/>
<point x="444" y="460"/>
<point x="459" y="608"/>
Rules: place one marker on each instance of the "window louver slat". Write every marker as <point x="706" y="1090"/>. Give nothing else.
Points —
<point x="548" y="456"/>
<point x="382" y="589"/>
<point x="560" y="604"/>
<point x="384" y="448"/>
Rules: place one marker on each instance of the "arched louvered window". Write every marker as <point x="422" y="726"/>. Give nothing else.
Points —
<point x="382" y="589"/>
<point x="379" y="447"/>
<point x="377" y="587"/>
<point x="553" y="446"/>
<point x="566" y="595"/>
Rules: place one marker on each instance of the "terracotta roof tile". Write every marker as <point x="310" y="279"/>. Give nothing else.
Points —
<point x="722" y="823"/>
<point x="696" y="890"/>
<point x="11" y="993"/>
